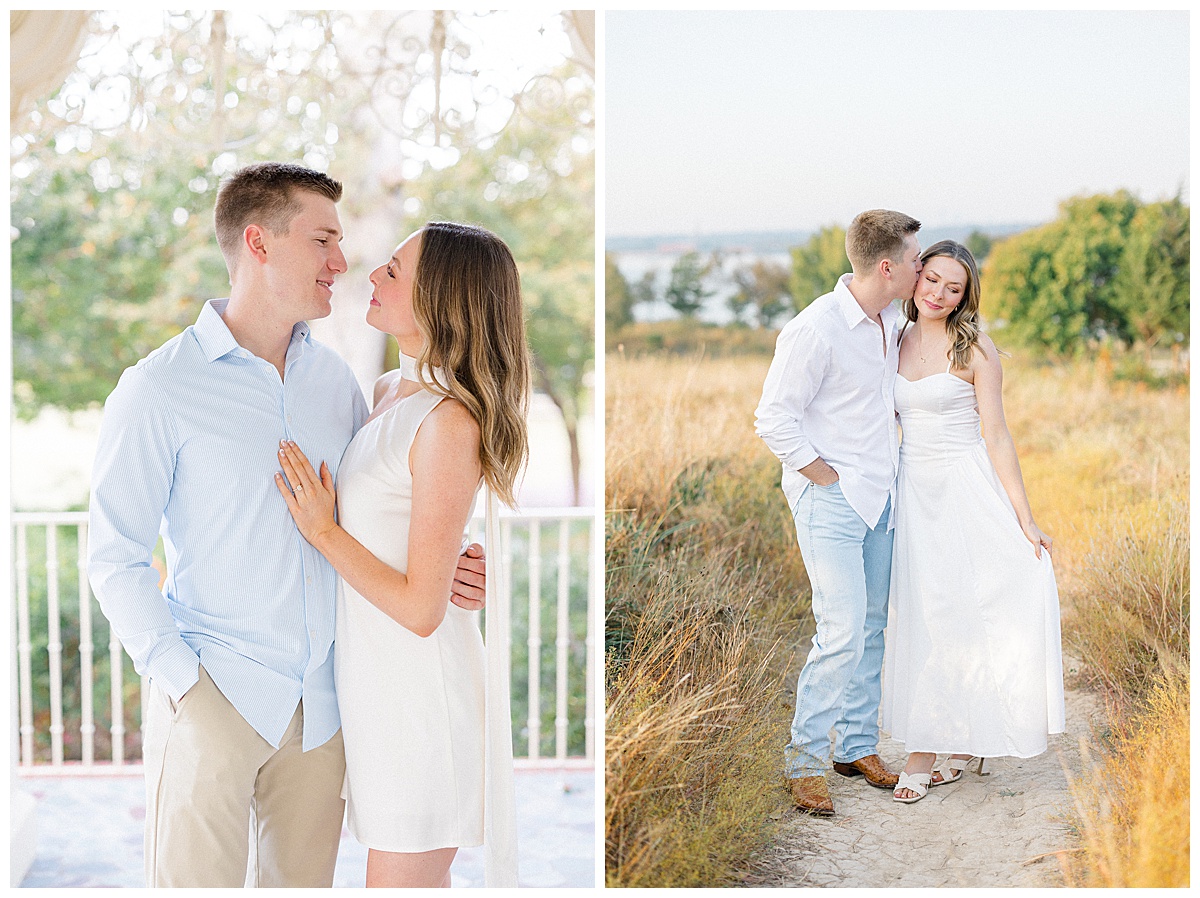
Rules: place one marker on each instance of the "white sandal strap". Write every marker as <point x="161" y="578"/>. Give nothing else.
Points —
<point x="916" y="782"/>
<point x="958" y="763"/>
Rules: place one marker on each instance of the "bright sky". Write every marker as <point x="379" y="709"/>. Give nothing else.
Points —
<point x="759" y="121"/>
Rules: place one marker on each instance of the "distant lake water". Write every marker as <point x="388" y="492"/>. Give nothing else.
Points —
<point x="633" y="265"/>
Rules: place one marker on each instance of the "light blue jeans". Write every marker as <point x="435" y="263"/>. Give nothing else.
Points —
<point x="849" y="565"/>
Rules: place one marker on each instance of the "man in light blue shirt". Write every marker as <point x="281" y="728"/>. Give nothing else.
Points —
<point x="242" y="730"/>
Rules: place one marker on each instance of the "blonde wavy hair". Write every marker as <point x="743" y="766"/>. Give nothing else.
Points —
<point x="962" y="324"/>
<point x="467" y="306"/>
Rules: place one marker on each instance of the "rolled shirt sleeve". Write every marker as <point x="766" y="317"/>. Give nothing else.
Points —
<point x="131" y="485"/>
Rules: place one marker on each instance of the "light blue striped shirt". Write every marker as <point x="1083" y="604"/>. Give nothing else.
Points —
<point x="188" y="449"/>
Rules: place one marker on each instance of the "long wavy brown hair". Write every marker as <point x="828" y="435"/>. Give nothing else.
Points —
<point x="962" y="324"/>
<point x="467" y="306"/>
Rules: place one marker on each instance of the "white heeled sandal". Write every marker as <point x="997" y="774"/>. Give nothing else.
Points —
<point x="956" y="767"/>
<point x="914" y="782"/>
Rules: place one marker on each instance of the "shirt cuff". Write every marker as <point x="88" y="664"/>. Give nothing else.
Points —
<point x="802" y="458"/>
<point x="176" y="670"/>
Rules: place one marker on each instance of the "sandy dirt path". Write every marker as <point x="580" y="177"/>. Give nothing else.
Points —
<point x="999" y="830"/>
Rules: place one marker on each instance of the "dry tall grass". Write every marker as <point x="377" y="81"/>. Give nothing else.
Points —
<point x="1093" y="453"/>
<point x="1134" y="809"/>
<point x="708" y="602"/>
<point x="701" y="584"/>
<point x="1131" y="613"/>
<point x="1131" y="622"/>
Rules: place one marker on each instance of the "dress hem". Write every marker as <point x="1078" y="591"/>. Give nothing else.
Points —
<point x="469" y="843"/>
<point x="967" y="751"/>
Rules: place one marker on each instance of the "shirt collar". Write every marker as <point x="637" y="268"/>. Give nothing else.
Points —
<point x="211" y="332"/>
<point x="215" y="338"/>
<point x="847" y="303"/>
<point x="854" y="312"/>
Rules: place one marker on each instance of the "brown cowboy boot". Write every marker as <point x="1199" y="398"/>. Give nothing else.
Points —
<point x="811" y="795"/>
<point x="872" y="769"/>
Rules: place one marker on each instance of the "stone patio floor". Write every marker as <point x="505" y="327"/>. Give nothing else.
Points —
<point x="90" y="833"/>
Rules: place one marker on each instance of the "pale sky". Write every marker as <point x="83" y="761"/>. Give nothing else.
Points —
<point x="759" y="121"/>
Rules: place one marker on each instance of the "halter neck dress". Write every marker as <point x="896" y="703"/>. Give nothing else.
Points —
<point x="973" y="660"/>
<point x="428" y="758"/>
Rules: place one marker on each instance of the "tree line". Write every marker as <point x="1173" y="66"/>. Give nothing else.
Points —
<point x="1108" y="267"/>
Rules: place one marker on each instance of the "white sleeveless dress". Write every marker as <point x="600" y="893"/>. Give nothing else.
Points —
<point x="973" y="660"/>
<point x="413" y="711"/>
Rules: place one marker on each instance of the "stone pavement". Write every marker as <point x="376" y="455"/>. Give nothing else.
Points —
<point x="90" y="833"/>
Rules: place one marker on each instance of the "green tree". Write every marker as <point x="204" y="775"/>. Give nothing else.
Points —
<point x="618" y="297"/>
<point x="686" y="290"/>
<point x="1058" y="285"/>
<point x="817" y="264"/>
<point x="763" y="289"/>
<point x="1153" y="284"/>
<point x="101" y="276"/>
<point x="980" y="244"/>
<point x="645" y="288"/>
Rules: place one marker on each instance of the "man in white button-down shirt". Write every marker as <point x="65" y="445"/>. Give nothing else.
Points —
<point x="827" y="413"/>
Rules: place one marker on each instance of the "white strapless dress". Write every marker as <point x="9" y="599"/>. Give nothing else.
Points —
<point x="973" y="659"/>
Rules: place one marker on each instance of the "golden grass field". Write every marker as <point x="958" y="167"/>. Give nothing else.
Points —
<point x="707" y="610"/>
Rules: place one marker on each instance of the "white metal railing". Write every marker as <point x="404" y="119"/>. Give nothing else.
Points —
<point x="576" y="549"/>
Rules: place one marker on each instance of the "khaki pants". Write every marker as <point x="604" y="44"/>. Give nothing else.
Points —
<point x="211" y="779"/>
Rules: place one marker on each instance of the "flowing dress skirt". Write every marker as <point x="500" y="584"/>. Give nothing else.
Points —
<point x="973" y="660"/>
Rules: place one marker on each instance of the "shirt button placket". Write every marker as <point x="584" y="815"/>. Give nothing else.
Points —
<point x="285" y="411"/>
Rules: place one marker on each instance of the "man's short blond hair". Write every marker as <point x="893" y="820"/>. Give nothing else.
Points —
<point x="877" y="234"/>
<point x="265" y="194"/>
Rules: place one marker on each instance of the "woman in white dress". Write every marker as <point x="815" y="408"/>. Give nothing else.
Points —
<point x="423" y="778"/>
<point x="973" y="663"/>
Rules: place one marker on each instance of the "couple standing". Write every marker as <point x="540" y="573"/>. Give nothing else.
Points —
<point x="251" y="758"/>
<point x="932" y="537"/>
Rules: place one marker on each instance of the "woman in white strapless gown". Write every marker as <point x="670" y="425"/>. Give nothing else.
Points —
<point x="424" y="714"/>
<point x="972" y="664"/>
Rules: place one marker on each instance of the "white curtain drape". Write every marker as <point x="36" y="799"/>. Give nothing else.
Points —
<point x="581" y="28"/>
<point x="44" y="46"/>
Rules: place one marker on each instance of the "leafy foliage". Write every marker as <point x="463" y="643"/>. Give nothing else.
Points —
<point x="619" y="299"/>
<point x="980" y="244"/>
<point x="645" y="288"/>
<point x="817" y="264"/>
<point x="1107" y="267"/>
<point x="1153" y="281"/>
<point x="102" y="276"/>
<point x="686" y="292"/>
<point x="763" y="290"/>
